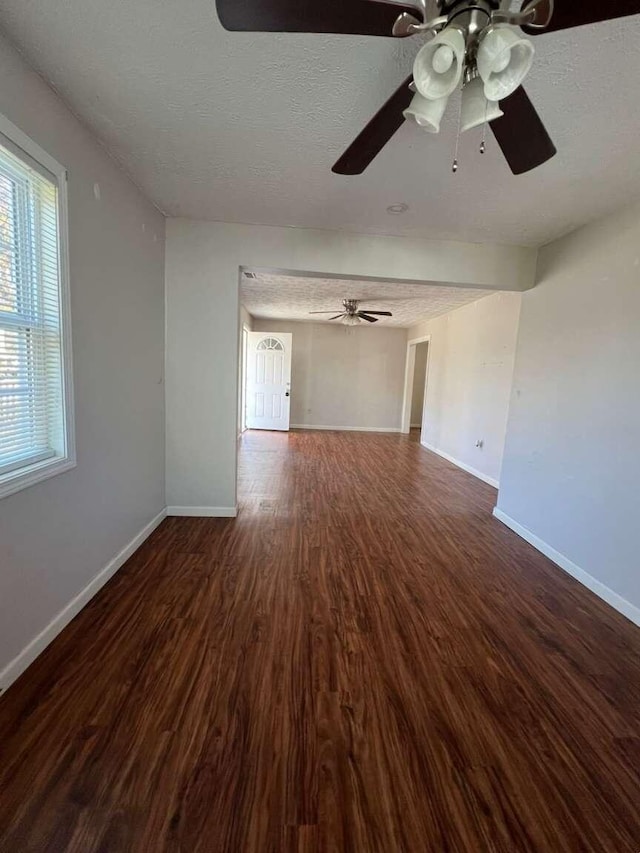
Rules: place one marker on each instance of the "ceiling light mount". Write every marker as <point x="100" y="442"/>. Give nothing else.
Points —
<point x="397" y="209"/>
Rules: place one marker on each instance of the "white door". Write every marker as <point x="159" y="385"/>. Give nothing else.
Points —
<point x="269" y="380"/>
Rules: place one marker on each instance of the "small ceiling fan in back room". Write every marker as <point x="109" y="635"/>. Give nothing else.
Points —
<point x="351" y="315"/>
<point x="477" y="45"/>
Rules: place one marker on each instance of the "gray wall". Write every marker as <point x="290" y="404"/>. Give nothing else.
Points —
<point x="344" y="377"/>
<point x="419" y="379"/>
<point x="571" y="472"/>
<point x="56" y="536"/>
<point x="471" y="358"/>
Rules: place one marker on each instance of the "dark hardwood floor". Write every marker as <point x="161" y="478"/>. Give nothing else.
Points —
<point x="364" y="660"/>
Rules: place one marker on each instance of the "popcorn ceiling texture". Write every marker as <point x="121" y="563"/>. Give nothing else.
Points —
<point x="282" y="297"/>
<point x="245" y="127"/>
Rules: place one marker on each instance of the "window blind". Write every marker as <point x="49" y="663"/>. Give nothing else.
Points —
<point x="31" y="376"/>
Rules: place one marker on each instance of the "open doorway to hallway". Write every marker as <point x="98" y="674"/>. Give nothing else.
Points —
<point x="419" y="388"/>
<point x="415" y="386"/>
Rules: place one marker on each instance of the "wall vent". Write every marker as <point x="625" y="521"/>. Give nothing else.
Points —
<point x="250" y="275"/>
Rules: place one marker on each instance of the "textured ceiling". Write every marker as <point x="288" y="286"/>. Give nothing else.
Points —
<point x="245" y="127"/>
<point x="283" y="297"/>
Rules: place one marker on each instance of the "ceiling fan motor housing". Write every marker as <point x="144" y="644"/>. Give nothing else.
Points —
<point x="470" y="16"/>
<point x="451" y="7"/>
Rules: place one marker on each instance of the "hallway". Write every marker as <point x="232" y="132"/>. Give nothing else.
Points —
<point x="364" y="660"/>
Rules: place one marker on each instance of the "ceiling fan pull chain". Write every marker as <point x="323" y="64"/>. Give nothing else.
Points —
<point x="483" y="144"/>
<point x="454" y="167"/>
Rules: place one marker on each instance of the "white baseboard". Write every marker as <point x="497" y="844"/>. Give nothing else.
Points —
<point x="616" y="601"/>
<point x="203" y="511"/>
<point x="415" y="426"/>
<point x="39" y="643"/>
<point x="345" y="428"/>
<point x="485" y="479"/>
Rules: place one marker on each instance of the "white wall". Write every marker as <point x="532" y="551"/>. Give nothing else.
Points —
<point x="419" y="380"/>
<point x="571" y="472"/>
<point x="471" y="360"/>
<point x="57" y="535"/>
<point x="344" y="377"/>
<point x="202" y="271"/>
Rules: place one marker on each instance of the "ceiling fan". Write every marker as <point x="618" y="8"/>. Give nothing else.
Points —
<point x="474" y="43"/>
<point x="352" y="316"/>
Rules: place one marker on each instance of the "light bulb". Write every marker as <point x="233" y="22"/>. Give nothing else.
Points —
<point x="443" y="59"/>
<point x="501" y="61"/>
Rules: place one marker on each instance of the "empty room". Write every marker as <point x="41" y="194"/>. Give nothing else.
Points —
<point x="319" y="419"/>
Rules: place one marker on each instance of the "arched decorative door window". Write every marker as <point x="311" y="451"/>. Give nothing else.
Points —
<point x="270" y="344"/>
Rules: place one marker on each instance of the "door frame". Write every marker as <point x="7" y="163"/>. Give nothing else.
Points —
<point x="409" y="370"/>
<point x="288" y="356"/>
<point x="242" y="415"/>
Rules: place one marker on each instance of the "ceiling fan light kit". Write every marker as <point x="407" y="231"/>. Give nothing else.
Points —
<point x="351" y="320"/>
<point x="475" y="45"/>
<point x="489" y="60"/>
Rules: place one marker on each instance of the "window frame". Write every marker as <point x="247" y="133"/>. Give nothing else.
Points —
<point x="36" y="469"/>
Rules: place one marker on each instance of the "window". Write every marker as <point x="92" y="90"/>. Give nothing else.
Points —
<point x="36" y="435"/>
<point x="270" y="344"/>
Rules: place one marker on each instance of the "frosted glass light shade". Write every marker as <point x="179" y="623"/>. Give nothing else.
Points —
<point x="351" y="320"/>
<point x="438" y="67"/>
<point x="504" y="60"/>
<point x="426" y="114"/>
<point x="476" y="109"/>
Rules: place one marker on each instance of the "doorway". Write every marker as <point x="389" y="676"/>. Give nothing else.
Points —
<point x="415" y="389"/>
<point x="268" y="380"/>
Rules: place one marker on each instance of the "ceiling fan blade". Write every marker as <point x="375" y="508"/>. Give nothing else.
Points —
<point x="379" y="313"/>
<point x="337" y="317"/>
<point x="367" y="317"/>
<point x="376" y="134"/>
<point x="322" y="312"/>
<point x="521" y="135"/>
<point x="353" y="17"/>
<point x="577" y="13"/>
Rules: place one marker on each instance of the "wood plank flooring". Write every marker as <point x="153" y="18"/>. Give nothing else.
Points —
<point x="364" y="660"/>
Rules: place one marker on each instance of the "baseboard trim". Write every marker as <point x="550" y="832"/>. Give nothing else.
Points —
<point x="415" y="426"/>
<point x="203" y="511"/>
<point x="597" y="587"/>
<point x="39" y="643"/>
<point x="485" y="479"/>
<point x="345" y="428"/>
